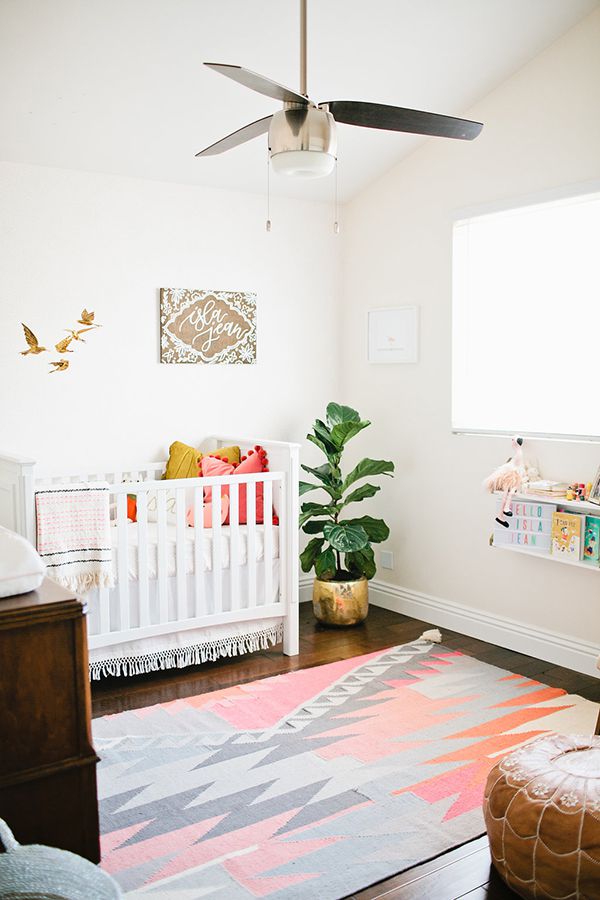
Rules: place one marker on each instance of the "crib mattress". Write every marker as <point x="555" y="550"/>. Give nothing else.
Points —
<point x="171" y="548"/>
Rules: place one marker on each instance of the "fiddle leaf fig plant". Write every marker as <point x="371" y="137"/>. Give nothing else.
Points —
<point x="341" y="549"/>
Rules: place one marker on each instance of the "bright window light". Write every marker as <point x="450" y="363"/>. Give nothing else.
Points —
<point x="526" y="320"/>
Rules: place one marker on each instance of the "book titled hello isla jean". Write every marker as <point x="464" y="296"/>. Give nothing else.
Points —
<point x="530" y="526"/>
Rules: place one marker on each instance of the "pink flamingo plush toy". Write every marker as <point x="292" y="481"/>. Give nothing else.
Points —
<point x="507" y="478"/>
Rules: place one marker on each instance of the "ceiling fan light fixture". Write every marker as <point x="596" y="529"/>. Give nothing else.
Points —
<point x="303" y="163"/>
<point x="302" y="139"/>
<point x="302" y="142"/>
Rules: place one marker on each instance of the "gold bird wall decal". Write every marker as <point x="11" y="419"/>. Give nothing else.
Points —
<point x="87" y="318"/>
<point x="32" y="342"/>
<point x="60" y="366"/>
<point x="76" y="334"/>
<point x="63" y="346"/>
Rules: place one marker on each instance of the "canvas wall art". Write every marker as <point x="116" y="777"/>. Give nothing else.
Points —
<point x="207" y="326"/>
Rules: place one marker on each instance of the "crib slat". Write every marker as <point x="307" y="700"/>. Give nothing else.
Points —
<point x="123" y="562"/>
<point x="182" y="612"/>
<point x="104" y="610"/>
<point x="251" y="542"/>
<point x="142" y="532"/>
<point x="161" y="551"/>
<point x="217" y="571"/>
<point x="200" y="607"/>
<point x="234" y="544"/>
<point x="283" y="549"/>
<point x="268" y="542"/>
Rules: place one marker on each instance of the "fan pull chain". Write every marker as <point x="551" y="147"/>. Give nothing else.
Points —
<point x="336" y="224"/>
<point x="268" y="223"/>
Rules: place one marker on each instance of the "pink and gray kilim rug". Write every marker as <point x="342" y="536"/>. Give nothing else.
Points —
<point x="316" y="783"/>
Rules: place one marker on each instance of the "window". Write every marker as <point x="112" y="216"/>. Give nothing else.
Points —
<point x="526" y="320"/>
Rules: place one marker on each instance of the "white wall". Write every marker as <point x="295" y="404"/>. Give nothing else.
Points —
<point x="542" y="129"/>
<point x="72" y="239"/>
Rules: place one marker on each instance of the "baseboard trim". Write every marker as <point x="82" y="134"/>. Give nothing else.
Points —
<point x="560" y="649"/>
<point x="306" y="582"/>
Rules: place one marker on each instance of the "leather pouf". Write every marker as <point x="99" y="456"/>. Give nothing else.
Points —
<point x="542" y="814"/>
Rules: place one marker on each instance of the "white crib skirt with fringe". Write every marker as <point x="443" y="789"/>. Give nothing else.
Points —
<point x="185" y="647"/>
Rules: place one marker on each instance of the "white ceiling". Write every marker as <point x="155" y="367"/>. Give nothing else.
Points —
<point x="118" y="86"/>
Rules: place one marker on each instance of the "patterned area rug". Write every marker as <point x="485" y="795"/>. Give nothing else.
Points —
<point x="316" y="783"/>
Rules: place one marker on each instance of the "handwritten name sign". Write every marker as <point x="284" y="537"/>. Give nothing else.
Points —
<point x="207" y="326"/>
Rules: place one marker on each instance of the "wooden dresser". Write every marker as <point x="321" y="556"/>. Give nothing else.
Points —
<point x="47" y="761"/>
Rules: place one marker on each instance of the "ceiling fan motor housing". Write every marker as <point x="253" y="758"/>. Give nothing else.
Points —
<point x="302" y="141"/>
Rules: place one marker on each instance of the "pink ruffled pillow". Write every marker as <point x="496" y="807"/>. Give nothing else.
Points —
<point x="211" y="465"/>
<point x="207" y="510"/>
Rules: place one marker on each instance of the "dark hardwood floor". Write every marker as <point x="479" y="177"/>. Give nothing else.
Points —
<point x="464" y="872"/>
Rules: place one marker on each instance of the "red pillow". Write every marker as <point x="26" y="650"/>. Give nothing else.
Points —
<point x="256" y="461"/>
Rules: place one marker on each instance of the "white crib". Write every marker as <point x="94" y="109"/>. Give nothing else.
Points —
<point x="183" y="595"/>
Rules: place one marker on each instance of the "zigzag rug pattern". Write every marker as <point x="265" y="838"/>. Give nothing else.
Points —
<point x="316" y="783"/>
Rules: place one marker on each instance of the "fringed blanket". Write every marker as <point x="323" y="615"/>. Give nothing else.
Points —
<point x="73" y="534"/>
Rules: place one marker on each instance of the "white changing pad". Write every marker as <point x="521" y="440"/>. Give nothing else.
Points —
<point x="171" y="552"/>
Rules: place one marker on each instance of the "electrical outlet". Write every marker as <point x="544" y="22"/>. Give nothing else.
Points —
<point x="387" y="559"/>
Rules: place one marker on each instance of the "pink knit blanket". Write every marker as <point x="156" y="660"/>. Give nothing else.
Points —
<point x="73" y="534"/>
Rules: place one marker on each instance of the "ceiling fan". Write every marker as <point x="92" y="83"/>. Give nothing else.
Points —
<point x="302" y="138"/>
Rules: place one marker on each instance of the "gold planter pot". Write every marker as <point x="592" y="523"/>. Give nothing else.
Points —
<point x="341" y="603"/>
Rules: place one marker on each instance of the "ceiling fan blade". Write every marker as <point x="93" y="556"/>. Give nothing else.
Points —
<point x="254" y="129"/>
<point x="396" y="118"/>
<point x="258" y="83"/>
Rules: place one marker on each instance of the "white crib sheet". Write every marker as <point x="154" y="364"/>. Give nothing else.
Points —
<point x="171" y="553"/>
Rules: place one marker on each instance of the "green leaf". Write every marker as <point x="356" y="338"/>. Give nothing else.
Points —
<point x="325" y="564"/>
<point x="362" y="493"/>
<point x="306" y="486"/>
<point x="310" y="553"/>
<point x="337" y="414"/>
<point x="319" y="509"/>
<point x="318" y="443"/>
<point x="316" y="526"/>
<point x="323" y="473"/>
<point x="368" y="467"/>
<point x="341" y="434"/>
<point x="323" y="433"/>
<point x="376" y="529"/>
<point x="308" y="510"/>
<point x="361" y="562"/>
<point x="345" y="537"/>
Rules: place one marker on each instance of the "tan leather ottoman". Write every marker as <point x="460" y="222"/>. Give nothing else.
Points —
<point x="542" y="814"/>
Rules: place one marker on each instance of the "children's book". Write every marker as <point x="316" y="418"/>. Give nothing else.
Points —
<point x="591" y="543"/>
<point x="567" y="535"/>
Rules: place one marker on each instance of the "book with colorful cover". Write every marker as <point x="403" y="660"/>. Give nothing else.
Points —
<point x="567" y="535"/>
<point x="591" y="543"/>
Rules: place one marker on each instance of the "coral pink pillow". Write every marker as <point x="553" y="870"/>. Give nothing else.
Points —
<point x="255" y="462"/>
<point x="207" y="510"/>
<point x="209" y="465"/>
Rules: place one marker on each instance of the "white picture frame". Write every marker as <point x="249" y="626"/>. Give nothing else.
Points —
<point x="393" y="335"/>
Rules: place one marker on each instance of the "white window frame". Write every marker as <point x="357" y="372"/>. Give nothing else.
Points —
<point x="564" y="192"/>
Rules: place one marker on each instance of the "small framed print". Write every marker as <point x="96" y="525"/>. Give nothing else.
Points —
<point x="393" y="335"/>
<point x="595" y="492"/>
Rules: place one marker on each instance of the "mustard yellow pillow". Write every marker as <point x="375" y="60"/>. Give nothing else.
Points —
<point x="229" y="454"/>
<point x="184" y="461"/>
